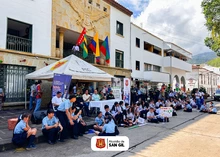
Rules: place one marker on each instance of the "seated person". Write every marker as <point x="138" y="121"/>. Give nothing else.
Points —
<point x="203" y="108"/>
<point x="123" y="107"/>
<point x="117" y="113"/>
<point x="188" y="107"/>
<point x="51" y="127"/>
<point x="22" y="132"/>
<point x="151" y="116"/>
<point x="99" y="122"/>
<point x="160" y="116"/>
<point x="130" y="119"/>
<point x="158" y="103"/>
<point x="56" y="101"/>
<point x="212" y="109"/>
<point x="108" y="128"/>
<point x="110" y="96"/>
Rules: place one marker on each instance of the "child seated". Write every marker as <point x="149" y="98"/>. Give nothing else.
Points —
<point x="151" y="116"/>
<point x="108" y="128"/>
<point x="99" y="121"/>
<point x="160" y="116"/>
<point x="22" y="132"/>
<point x="76" y="129"/>
<point x="212" y="109"/>
<point x="203" y="108"/>
<point x="188" y="107"/>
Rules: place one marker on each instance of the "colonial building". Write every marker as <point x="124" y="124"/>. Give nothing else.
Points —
<point x="204" y="76"/>
<point x="155" y="61"/>
<point x="25" y="43"/>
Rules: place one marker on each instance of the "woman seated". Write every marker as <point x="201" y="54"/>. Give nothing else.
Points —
<point x="108" y="128"/>
<point x="212" y="109"/>
<point x="188" y="107"/>
<point x="23" y="131"/>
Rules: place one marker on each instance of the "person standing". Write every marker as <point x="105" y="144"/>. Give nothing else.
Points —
<point x="86" y="99"/>
<point x="1" y="98"/>
<point x="38" y="96"/>
<point x="64" y="114"/>
<point x="143" y="93"/>
<point x="32" y="95"/>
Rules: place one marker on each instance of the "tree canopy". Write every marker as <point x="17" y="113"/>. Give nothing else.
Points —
<point x="211" y="10"/>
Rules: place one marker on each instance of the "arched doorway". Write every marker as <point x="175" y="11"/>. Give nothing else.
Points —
<point x="183" y="84"/>
<point x="176" y="82"/>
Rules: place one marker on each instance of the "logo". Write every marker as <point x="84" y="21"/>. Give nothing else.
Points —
<point x="58" y="64"/>
<point x="110" y="143"/>
<point x="100" y="143"/>
<point x="126" y="82"/>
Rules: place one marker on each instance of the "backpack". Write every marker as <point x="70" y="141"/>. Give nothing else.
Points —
<point x="37" y="117"/>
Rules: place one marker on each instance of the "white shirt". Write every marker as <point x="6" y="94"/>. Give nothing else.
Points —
<point x="86" y="97"/>
<point x="57" y="101"/>
<point x="75" y="48"/>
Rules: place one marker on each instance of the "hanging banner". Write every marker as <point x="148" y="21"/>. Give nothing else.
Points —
<point x="127" y="90"/>
<point x="117" y="93"/>
<point x="61" y="83"/>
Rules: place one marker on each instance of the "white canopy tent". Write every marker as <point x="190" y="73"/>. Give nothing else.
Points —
<point x="71" y="65"/>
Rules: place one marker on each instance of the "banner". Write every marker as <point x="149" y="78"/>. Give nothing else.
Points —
<point x="60" y="83"/>
<point x="127" y="90"/>
<point x="166" y="111"/>
<point x="117" y="93"/>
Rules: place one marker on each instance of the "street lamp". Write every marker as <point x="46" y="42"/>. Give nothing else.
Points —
<point x="170" y="53"/>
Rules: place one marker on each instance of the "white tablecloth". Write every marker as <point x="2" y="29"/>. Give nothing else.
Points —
<point x="101" y="104"/>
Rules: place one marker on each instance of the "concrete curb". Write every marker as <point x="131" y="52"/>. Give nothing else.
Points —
<point x="39" y="139"/>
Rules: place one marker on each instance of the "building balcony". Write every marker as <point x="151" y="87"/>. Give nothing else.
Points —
<point x="18" y="43"/>
<point x="154" y="76"/>
<point x="89" y="59"/>
<point x="177" y="63"/>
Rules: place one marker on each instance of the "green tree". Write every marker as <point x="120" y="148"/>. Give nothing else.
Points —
<point x="211" y="10"/>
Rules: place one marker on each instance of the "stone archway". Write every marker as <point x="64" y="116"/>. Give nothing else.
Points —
<point x="183" y="83"/>
<point x="176" y="81"/>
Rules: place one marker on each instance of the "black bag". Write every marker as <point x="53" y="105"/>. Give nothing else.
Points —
<point x="37" y="117"/>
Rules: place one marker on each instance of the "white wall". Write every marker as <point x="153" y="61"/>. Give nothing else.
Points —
<point x="117" y="42"/>
<point x="139" y="54"/>
<point x="38" y="13"/>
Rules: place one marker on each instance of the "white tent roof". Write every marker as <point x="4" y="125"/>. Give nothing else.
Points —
<point x="71" y="65"/>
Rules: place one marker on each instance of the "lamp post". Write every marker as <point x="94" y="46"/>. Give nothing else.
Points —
<point x="170" y="54"/>
<point x="198" y="75"/>
<point x="211" y="72"/>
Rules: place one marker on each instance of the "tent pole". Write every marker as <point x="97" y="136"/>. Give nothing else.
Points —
<point x="25" y="91"/>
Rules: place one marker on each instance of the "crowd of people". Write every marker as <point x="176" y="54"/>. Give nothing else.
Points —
<point x="64" y="118"/>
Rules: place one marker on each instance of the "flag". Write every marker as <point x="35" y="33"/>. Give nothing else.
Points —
<point x="105" y="50"/>
<point x="83" y="45"/>
<point x="81" y="37"/>
<point x="94" y="45"/>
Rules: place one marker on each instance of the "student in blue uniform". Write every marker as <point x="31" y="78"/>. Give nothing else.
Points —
<point x="188" y="107"/>
<point x="50" y="127"/>
<point x="108" y="129"/>
<point x="22" y="132"/>
<point x="64" y="115"/>
<point x="99" y="121"/>
<point x="212" y="109"/>
<point x="203" y="108"/>
<point x="151" y="116"/>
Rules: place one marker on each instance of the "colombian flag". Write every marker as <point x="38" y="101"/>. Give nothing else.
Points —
<point x="105" y="50"/>
<point x="83" y="45"/>
<point x="94" y="45"/>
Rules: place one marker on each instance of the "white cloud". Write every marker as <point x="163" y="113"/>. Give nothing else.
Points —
<point x="177" y="21"/>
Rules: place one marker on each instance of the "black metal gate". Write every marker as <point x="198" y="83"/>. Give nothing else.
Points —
<point x="12" y="80"/>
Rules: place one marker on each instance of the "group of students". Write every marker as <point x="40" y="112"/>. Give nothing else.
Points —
<point x="67" y="120"/>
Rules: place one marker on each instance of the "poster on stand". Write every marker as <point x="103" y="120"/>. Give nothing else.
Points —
<point x="61" y="83"/>
<point x="117" y="93"/>
<point x="127" y="90"/>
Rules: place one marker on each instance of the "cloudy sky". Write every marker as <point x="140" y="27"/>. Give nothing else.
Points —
<point x="177" y="21"/>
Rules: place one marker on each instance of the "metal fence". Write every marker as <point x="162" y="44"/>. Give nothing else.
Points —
<point x="12" y="80"/>
<point x="18" y="43"/>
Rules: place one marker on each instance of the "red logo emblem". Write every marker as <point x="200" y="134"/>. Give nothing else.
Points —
<point x="126" y="82"/>
<point x="100" y="143"/>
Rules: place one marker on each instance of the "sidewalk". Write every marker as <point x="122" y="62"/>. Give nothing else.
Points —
<point x="6" y="135"/>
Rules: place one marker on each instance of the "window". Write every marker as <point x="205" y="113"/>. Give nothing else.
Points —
<point x="119" y="28"/>
<point x="138" y="65"/>
<point x="105" y="9"/>
<point x="156" y="68"/>
<point x="137" y="42"/>
<point x="19" y="36"/>
<point x="90" y="1"/>
<point x="148" y="47"/>
<point x="119" y="59"/>
<point x="147" y="67"/>
<point x="157" y="50"/>
<point x="12" y="81"/>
